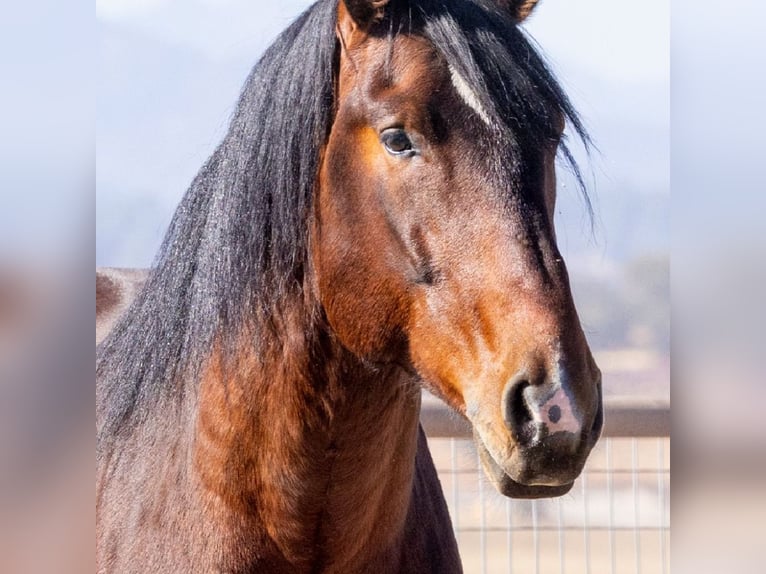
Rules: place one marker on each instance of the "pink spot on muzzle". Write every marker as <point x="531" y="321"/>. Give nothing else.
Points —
<point x="558" y="414"/>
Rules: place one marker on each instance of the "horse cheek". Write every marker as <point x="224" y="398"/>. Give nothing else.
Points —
<point x="365" y="309"/>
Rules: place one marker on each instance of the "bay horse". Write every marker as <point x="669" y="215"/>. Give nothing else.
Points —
<point x="378" y="219"/>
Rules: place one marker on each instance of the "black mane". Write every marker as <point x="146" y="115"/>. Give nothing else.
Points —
<point x="237" y="244"/>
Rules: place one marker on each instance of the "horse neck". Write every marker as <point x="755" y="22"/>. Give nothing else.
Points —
<point x="309" y="446"/>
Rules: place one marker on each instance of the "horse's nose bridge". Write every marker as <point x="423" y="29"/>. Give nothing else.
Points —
<point x="547" y="319"/>
<point x="531" y="240"/>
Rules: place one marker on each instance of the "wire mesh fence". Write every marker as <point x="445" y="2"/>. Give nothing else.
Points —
<point x="614" y="521"/>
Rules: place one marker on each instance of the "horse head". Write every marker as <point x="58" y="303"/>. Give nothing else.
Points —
<point x="433" y="242"/>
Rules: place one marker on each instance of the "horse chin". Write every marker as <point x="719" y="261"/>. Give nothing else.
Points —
<point x="507" y="486"/>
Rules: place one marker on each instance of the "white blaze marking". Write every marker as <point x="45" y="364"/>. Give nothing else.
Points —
<point x="468" y="95"/>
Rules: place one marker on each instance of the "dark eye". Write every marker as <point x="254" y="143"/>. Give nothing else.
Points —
<point x="397" y="142"/>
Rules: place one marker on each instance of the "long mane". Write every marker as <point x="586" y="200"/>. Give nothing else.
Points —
<point x="237" y="245"/>
<point x="237" y="242"/>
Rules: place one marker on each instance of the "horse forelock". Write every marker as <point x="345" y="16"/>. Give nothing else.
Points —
<point x="497" y="70"/>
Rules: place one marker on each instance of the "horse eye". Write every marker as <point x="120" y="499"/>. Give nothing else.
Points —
<point x="396" y="141"/>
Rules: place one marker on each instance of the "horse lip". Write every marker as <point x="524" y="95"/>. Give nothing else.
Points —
<point x="512" y="488"/>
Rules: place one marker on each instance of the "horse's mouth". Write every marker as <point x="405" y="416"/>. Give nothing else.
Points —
<point x="507" y="486"/>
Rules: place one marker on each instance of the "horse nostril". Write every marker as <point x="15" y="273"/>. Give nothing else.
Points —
<point x="516" y="413"/>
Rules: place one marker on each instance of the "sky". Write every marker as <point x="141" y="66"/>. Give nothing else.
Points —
<point x="169" y="73"/>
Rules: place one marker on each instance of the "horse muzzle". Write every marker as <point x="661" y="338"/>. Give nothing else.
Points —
<point x="546" y="441"/>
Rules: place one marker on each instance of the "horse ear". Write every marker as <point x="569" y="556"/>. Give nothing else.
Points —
<point x="366" y="12"/>
<point x="519" y="9"/>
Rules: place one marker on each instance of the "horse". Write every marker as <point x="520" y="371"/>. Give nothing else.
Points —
<point x="378" y="219"/>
